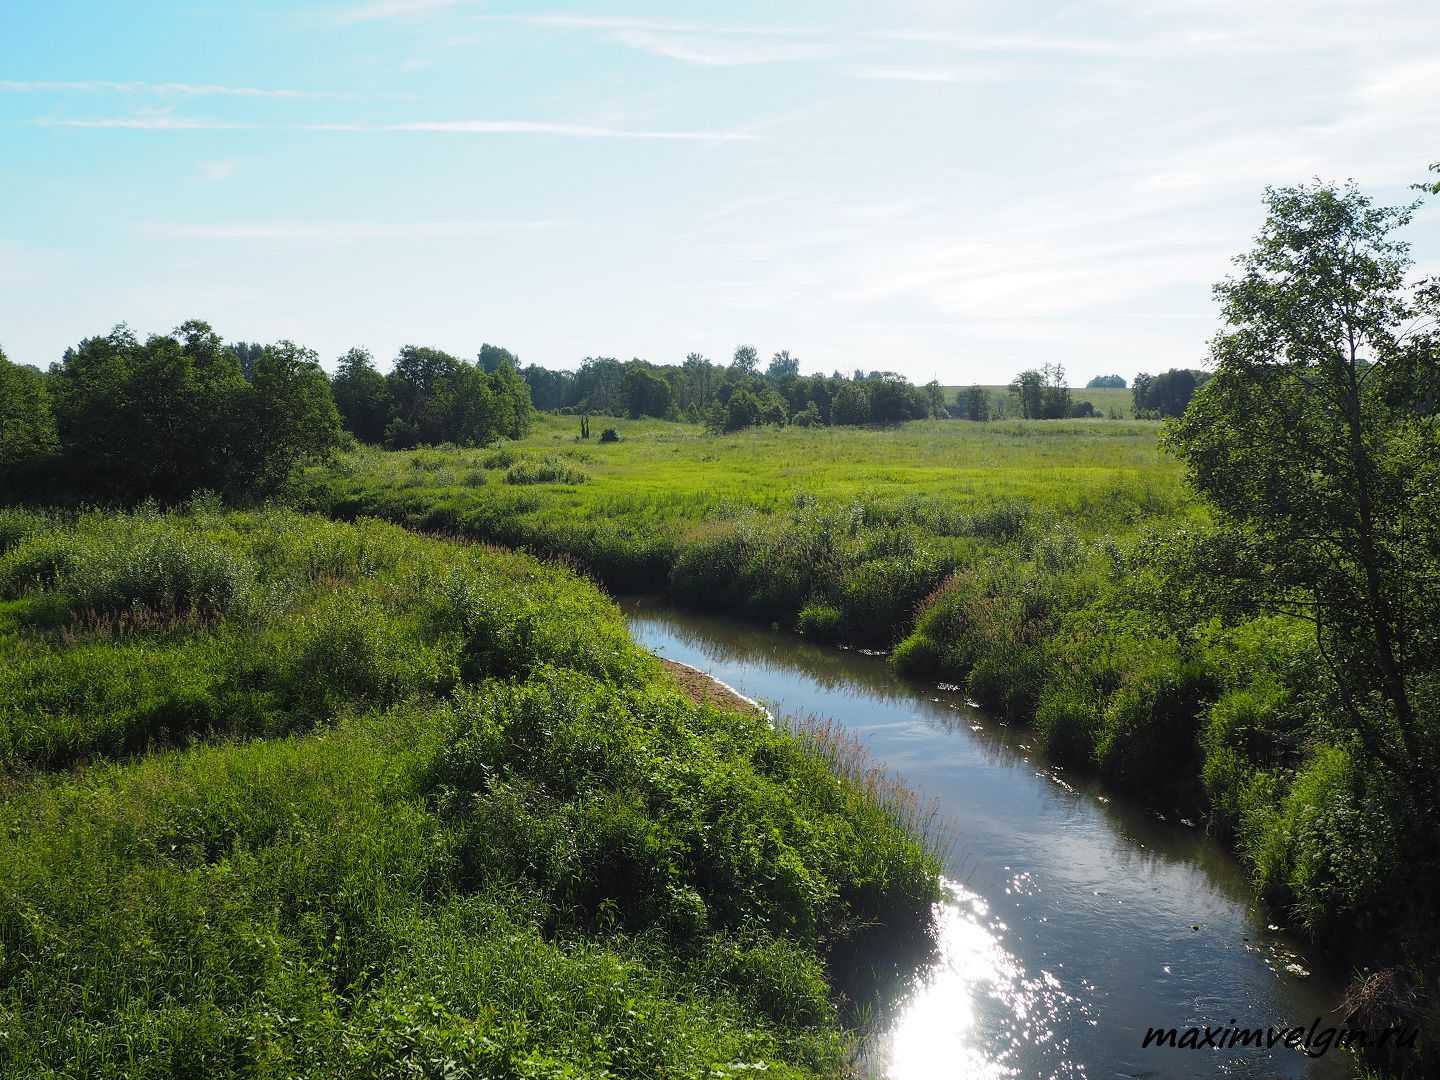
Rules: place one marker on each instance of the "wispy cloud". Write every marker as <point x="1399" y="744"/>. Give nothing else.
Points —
<point x="714" y="50"/>
<point x="395" y="9"/>
<point x="1006" y="43"/>
<point x="703" y="44"/>
<point x="602" y="22"/>
<point x="911" y="75"/>
<point x="528" y="127"/>
<point x="452" y="127"/>
<point x="216" y="170"/>
<point x="157" y="123"/>
<point x="175" y="89"/>
<point x="333" y="231"/>
<point x="1010" y="71"/>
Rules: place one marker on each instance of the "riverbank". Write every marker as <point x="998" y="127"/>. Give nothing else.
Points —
<point x="286" y="796"/>
<point x="704" y="689"/>
<point x="1081" y="917"/>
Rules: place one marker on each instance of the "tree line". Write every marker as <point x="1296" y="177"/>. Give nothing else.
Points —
<point x="118" y="418"/>
<point x="430" y="397"/>
<point x="729" y="397"/>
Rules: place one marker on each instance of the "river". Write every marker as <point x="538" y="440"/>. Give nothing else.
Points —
<point x="1080" y="918"/>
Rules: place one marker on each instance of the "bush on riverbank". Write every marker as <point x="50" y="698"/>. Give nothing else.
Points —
<point x="292" y="797"/>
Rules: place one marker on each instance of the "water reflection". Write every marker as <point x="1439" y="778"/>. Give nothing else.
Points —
<point x="975" y="1013"/>
<point x="1080" y="918"/>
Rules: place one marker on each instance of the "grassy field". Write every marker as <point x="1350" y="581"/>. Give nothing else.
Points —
<point x="286" y="797"/>
<point x="640" y="499"/>
<point x="1041" y="565"/>
<point x="855" y="525"/>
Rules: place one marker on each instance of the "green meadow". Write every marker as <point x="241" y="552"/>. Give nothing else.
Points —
<point x="1054" y="569"/>
<point x="625" y="509"/>
<point x="290" y="797"/>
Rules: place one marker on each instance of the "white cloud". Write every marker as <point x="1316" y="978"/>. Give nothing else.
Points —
<point x="154" y="123"/>
<point x="216" y="170"/>
<point x="714" y="50"/>
<point x="704" y="44"/>
<point x="453" y="127"/>
<point x="593" y="22"/>
<point x="912" y="75"/>
<point x="1010" y="43"/>
<point x="396" y="9"/>
<point x="333" y="231"/>
<point x="176" y="89"/>
<point x="528" y="127"/>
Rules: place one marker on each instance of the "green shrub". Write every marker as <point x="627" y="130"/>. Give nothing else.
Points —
<point x="167" y="573"/>
<point x="36" y="562"/>
<point x="499" y="459"/>
<point x="16" y="525"/>
<point x="1068" y="721"/>
<point x="549" y="471"/>
<point x="1147" y="736"/>
<point x="822" y="621"/>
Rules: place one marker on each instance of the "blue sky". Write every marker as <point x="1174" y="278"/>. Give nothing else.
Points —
<point x="949" y="190"/>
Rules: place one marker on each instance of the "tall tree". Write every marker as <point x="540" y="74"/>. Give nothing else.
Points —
<point x="292" y="418"/>
<point x="781" y="365"/>
<point x="1316" y="443"/>
<point x="1054" y="395"/>
<point x="362" y="396"/>
<point x="27" y="423"/>
<point x="934" y="398"/>
<point x="174" y="415"/>
<point x="850" y="405"/>
<point x="646" y="393"/>
<point x="1167" y="394"/>
<point x="974" y="403"/>
<point x="514" y="411"/>
<point x="1029" y="390"/>
<point x="160" y="418"/>
<point x="491" y="357"/>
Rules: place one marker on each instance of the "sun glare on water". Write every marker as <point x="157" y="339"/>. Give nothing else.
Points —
<point x="975" y="1014"/>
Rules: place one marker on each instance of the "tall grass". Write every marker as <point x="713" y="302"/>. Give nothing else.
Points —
<point x="366" y="803"/>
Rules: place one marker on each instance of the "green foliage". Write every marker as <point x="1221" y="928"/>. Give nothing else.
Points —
<point x="484" y="836"/>
<point x="850" y="405"/>
<point x="1042" y="394"/>
<point x="646" y="393"/>
<point x="973" y="403"/>
<point x="1055" y="570"/>
<point x="27" y="423"/>
<point x="176" y="415"/>
<point x="362" y="396"/>
<point x="291" y="417"/>
<point x="1315" y="442"/>
<point x="823" y="621"/>
<point x="549" y="471"/>
<point x="1167" y="394"/>
<point x="432" y="397"/>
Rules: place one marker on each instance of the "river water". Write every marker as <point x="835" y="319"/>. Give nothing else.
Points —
<point x="1080" y="918"/>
